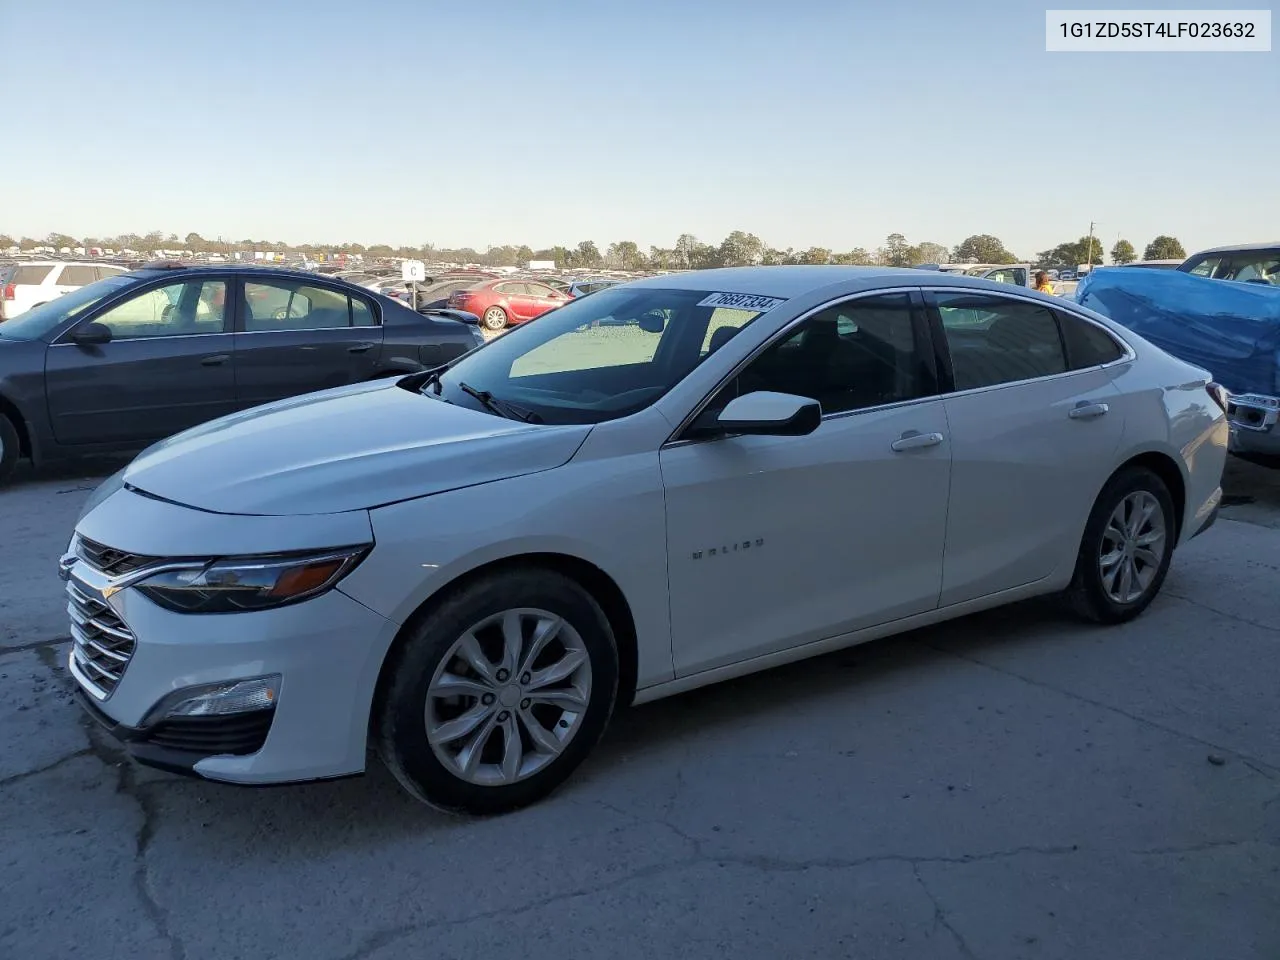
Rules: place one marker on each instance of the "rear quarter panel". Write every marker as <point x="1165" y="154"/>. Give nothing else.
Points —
<point x="1168" y="411"/>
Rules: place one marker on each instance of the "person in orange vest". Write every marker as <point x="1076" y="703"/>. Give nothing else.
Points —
<point x="1042" y="283"/>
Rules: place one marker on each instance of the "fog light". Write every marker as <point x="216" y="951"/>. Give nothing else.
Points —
<point x="218" y="699"/>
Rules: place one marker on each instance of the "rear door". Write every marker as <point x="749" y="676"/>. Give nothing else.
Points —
<point x="295" y="336"/>
<point x="168" y="366"/>
<point x="1033" y="433"/>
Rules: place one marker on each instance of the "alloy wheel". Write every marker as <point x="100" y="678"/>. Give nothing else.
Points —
<point x="508" y="697"/>
<point x="1132" y="548"/>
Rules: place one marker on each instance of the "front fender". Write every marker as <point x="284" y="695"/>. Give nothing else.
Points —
<point x="609" y="513"/>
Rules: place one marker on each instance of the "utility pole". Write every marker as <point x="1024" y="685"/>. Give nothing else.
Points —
<point x="1089" y="252"/>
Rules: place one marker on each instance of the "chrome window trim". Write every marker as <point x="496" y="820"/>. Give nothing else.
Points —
<point x="1129" y="355"/>
<point x="786" y="330"/>
<point x="173" y="336"/>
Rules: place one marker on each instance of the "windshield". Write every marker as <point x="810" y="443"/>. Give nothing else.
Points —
<point x="38" y="321"/>
<point x="602" y="357"/>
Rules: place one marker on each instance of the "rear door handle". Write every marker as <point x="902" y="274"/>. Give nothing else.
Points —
<point x="915" y="440"/>
<point x="360" y="348"/>
<point x="215" y="361"/>
<point x="1088" y="411"/>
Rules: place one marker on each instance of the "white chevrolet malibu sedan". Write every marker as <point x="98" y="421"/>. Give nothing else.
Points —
<point x="668" y="483"/>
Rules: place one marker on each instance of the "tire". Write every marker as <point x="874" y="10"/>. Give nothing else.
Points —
<point x="495" y="318"/>
<point x="429" y="659"/>
<point x="10" y="448"/>
<point x="1101" y="598"/>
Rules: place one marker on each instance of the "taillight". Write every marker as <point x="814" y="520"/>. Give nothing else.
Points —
<point x="1219" y="394"/>
<point x="8" y="291"/>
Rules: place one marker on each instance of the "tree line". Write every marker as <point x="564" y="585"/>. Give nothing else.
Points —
<point x="739" y="248"/>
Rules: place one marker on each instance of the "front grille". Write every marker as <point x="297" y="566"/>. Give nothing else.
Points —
<point x="237" y="733"/>
<point x="109" y="560"/>
<point x="103" y="643"/>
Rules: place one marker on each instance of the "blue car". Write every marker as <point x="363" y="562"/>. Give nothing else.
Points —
<point x="1228" y="323"/>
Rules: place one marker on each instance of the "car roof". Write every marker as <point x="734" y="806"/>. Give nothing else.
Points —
<point x="1239" y="248"/>
<point x="795" y="281"/>
<point x="238" y="268"/>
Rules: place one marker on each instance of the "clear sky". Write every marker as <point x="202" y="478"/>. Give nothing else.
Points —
<point x="806" y="122"/>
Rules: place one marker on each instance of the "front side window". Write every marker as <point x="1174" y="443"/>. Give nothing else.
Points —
<point x="46" y="318"/>
<point x="277" y="305"/>
<point x="1206" y="267"/>
<point x="1255" y="268"/>
<point x="176" y="309"/>
<point x="597" y="358"/>
<point x="858" y="354"/>
<point x="993" y="340"/>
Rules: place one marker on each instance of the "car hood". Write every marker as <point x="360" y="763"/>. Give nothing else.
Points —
<point x="348" y="448"/>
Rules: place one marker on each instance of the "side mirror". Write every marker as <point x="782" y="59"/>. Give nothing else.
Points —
<point x="92" y="334"/>
<point x="655" y="321"/>
<point x="768" y="414"/>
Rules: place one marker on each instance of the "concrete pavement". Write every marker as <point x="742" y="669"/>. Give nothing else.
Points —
<point x="1012" y="785"/>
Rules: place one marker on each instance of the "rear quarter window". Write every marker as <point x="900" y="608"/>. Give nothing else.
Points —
<point x="1087" y="345"/>
<point x="30" y="273"/>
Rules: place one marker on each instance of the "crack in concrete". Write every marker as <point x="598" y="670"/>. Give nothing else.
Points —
<point x="33" y="645"/>
<point x="1252" y="762"/>
<point x="1271" y="628"/>
<point x="940" y="916"/>
<point x="26" y="775"/>
<point x="111" y="754"/>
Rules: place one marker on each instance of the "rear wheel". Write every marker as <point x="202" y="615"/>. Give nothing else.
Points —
<point x="9" y="447"/>
<point x="1126" y="549"/>
<point x="495" y="698"/>
<point x="495" y="318"/>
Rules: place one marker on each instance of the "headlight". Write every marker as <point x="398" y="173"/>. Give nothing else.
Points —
<point x="239" y="584"/>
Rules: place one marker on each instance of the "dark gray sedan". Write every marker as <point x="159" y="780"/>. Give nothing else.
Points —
<point x="126" y="361"/>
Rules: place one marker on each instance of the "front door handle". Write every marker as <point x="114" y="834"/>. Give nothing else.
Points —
<point x="215" y="361"/>
<point x="360" y="348"/>
<point x="1088" y="411"/>
<point x="915" y="440"/>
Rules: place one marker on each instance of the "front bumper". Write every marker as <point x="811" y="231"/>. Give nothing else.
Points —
<point x="327" y="652"/>
<point x="1254" y="418"/>
<point x="179" y="744"/>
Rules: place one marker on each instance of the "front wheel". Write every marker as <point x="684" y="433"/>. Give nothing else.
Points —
<point x="1126" y="549"/>
<point x="495" y="318"/>
<point x="495" y="697"/>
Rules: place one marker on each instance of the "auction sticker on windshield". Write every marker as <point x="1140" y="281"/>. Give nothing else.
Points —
<point x="741" y="301"/>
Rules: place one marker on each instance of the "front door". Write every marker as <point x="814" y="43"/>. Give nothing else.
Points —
<point x="295" y="337"/>
<point x="775" y="542"/>
<point x="169" y="366"/>
<point x="1033" y="437"/>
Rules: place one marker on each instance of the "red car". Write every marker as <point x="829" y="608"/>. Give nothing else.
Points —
<point x="501" y="303"/>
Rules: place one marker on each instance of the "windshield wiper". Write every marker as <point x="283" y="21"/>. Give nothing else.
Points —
<point x="501" y="407"/>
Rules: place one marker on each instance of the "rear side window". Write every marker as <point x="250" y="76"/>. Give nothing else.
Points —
<point x="104" y="272"/>
<point x="1087" y="345"/>
<point x="30" y="273"/>
<point x="994" y="340"/>
<point x="510" y="289"/>
<point x="74" y="275"/>
<point x="277" y="305"/>
<point x="361" y="315"/>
